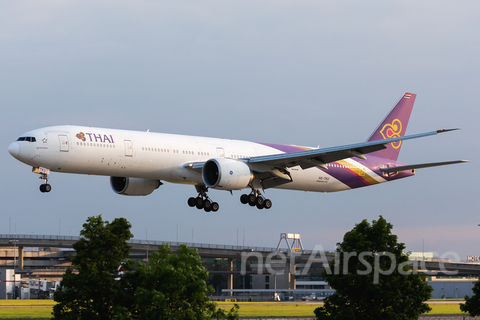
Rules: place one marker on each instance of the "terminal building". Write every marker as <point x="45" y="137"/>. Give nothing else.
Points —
<point x="31" y="266"/>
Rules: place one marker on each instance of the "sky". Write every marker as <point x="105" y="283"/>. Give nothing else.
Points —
<point x="312" y="73"/>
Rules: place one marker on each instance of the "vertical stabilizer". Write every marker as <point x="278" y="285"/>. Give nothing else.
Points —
<point x="394" y="125"/>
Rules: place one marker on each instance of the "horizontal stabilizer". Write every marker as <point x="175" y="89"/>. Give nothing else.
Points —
<point x="420" y="166"/>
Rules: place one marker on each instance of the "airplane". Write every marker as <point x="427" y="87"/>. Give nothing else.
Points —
<point x="138" y="162"/>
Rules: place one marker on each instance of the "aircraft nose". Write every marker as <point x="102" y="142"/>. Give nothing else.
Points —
<point x="14" y="149"/>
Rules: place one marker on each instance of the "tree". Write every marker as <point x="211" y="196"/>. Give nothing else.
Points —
<point x="472" y="304"/>
<point x="172" y="286"/>
<point x="372" y="279"/>
<point x="93" y="293"/>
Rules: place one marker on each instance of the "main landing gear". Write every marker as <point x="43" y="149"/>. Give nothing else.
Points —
<point x="255" y="198"/>
<point x="202" y="201"/>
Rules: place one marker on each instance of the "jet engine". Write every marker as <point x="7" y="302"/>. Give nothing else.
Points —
<point x="226" y="174"/>
<point x="133" y="186"/>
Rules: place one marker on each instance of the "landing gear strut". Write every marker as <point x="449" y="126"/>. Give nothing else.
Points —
<point x="255" y="198"/>
<point x="202" y="201"/>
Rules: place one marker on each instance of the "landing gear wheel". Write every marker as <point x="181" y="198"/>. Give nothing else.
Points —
<point x="45" y="188"/>
<point x="260" y="202"/>
<point x="244" y="199"/>
<point x="199" y="202"/>
<point x="191" y="202"/>
<point x="207" y="205"/>
<point x="215" y="207"/>
<point x="267" y="204"/>
<point x="252" y="200"/>
<point x="260" y="206"/>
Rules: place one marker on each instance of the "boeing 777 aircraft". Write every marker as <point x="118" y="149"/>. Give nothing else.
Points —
<point x="137" y="162"/>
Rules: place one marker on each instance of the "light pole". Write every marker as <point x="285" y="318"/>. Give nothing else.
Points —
<point x="243" y="238"/>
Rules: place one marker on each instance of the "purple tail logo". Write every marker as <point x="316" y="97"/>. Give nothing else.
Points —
<point x="392" y="130"/>
<point x="394" y="125"/>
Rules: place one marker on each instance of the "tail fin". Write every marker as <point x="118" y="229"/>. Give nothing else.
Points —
<point x="394" y="125"/>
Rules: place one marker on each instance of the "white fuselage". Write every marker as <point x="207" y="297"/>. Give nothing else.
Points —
<point x="149" y="155"/>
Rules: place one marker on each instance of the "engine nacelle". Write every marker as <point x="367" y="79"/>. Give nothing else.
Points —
<point x="133" y="186"/>
<point x="226" y="174"/>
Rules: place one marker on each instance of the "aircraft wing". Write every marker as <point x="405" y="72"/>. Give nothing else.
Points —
<point x="320" y="157"/>
<point x="419" y="166"/>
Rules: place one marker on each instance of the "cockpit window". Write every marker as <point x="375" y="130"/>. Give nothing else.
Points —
<point x="30" y="139"/>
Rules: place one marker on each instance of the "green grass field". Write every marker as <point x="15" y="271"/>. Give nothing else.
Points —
<point x="18" y="309"/>
<point x="305" y="309"/>
<point x="25" y="312"/>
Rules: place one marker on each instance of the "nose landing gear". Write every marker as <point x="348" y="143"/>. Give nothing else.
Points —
<point x="255" y="198"/>
<point x="202" y="201"/>
<point x="45" y="187"/>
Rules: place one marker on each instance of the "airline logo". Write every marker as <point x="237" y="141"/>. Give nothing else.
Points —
<point x="407" y="96"/>
<point x="96" y="137"/>
<point x="81" y="136"/>
<point x="392" y="130"/>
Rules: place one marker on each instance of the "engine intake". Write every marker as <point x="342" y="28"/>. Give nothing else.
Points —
<point x="133" y="186"/>
<point x="226" y="174"/>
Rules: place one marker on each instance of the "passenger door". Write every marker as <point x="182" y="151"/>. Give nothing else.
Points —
<point x="63" y="139"/>
<point x="128" y="148"/>
<point x="220" y="153"/>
